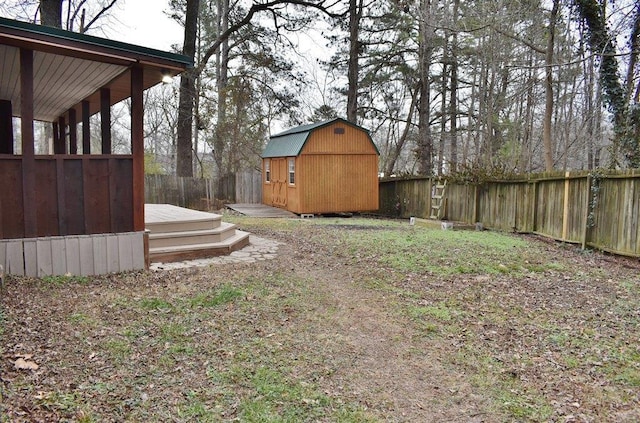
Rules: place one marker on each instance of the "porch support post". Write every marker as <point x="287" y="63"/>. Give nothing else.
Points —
<point x="105" y="119"/>
<point x="56" y="137"/>
<point x="86" y="129"/>
<point x="73" y="132"/>
<point x="28" y="158"/>
<point x="60" y="143"/>
<point x="137" y="146"/>
<point x="6" y="127"/>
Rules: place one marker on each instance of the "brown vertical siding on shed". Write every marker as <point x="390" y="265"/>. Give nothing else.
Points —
<point x="267" y="187"/>
<point x="337" y="183"/>
<point x="325" y="141"/>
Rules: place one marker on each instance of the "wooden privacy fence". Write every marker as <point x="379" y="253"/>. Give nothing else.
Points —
<point x="599" y="210"/>
<point x="203" y="193"/>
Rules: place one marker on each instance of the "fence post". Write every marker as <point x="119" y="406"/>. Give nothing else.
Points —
<point x="476" y="199"/>
<point x="535" y="207"/>
<point x="587" y="212"/>
<point x="565" y="206"/>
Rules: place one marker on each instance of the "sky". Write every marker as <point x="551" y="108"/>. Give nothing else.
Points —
<point x="143" y="22"/>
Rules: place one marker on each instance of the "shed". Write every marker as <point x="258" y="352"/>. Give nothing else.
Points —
<point x="70" y="209"/>
<point x="325" y="167"/>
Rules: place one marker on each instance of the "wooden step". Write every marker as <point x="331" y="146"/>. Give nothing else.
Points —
<point x="239" y="240"/>
<point x="167" y="218"/>
<point x="207" y="236"/>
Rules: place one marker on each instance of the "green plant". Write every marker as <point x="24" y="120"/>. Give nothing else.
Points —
<point x="223" y="295"/>
<point x="155" y="304"/>
<point x="65" y="279"/>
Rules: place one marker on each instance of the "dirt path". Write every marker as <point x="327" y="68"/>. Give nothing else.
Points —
<point x="394" y="369"/>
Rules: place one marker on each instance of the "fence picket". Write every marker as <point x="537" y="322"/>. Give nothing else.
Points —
<point x="557" y="206"/>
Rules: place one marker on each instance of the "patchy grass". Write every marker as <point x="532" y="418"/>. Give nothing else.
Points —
<point x="358" y="320"/>
<point x="444" y="253"/>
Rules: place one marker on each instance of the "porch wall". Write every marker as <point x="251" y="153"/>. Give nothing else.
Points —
<point x="81" y="255"/>
<point x="74" y="195"/>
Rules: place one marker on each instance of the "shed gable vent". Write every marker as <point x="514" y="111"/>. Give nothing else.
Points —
<point x="338" y="131"/>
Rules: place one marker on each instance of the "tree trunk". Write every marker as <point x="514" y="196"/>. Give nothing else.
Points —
<point x="548" y="87"/>
<point x="355" y="15"/>
<point x="222" y="82"/>
<point x="51" y="13"/>
<point x="453" y="106"/>
<point x="425" y="51"/>
<point x="184" y="160"/>
<point x="395" y="153"/>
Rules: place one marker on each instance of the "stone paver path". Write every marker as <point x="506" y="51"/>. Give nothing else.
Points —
<point x="258" y="249"/>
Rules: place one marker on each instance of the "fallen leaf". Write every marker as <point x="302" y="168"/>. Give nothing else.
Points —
<point x="25" y="356"/>
<point x="22" y="364"/>
<point x="41" y="395"/>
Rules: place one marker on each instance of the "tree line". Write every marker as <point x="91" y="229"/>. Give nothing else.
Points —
<point x="444" y="86"/>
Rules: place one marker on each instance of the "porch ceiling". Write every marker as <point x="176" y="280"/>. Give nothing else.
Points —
<point x="69" y="68"/>
<point x="60" y="82"/>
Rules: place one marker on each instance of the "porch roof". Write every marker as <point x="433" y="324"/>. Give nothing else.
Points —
<point x="70" y="67"/>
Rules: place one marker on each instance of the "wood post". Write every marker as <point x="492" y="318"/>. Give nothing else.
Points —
<point x="587" y="211"/>
<point x="86" y="129"/>
<point x="60" y="142"/>
<point x="28" y="157"/>
<point x="73" y="132"/>
<point x="137" y="146"/>
<point x="534" y="203"/>
<point x="565" y="207"/>
<point x="476" y="204"/>
<point x="6" y="127"/>
<point x="105" y="119"/>
<point x="56" y="136"/>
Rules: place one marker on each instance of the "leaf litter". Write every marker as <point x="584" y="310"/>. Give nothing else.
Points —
<point x="325" y="334"/>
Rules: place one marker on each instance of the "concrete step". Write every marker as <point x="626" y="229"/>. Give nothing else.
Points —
<point x="238" y="240"/>
<point x="206" y="236"/>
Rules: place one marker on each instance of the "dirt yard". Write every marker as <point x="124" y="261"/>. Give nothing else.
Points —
<point x="356" y="320"/>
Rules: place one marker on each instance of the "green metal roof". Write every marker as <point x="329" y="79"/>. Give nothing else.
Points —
<point x="286" y="145"/>
<point x="40" y="30"/>
<point x="290" y="142"/>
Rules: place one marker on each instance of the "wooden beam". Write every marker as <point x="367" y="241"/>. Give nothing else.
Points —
<point x="28" y="158"/>
<point x="6" y="127"/>
<point x="73" y="132"/>
<point x="86" y="128"/>
<point x="137" y="146"/>
<point x="105" y="119"/>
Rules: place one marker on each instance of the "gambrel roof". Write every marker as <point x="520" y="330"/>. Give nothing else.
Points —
<point x="291" y="142"/>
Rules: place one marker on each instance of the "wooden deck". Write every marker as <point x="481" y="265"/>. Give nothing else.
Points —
<point x="179" y="234"/>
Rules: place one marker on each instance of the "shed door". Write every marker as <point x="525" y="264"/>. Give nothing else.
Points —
<point x="279" y="182"/>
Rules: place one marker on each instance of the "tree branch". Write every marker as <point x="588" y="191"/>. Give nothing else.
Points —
<point x="255" y="8"/>
<point x="96" y="17"/>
